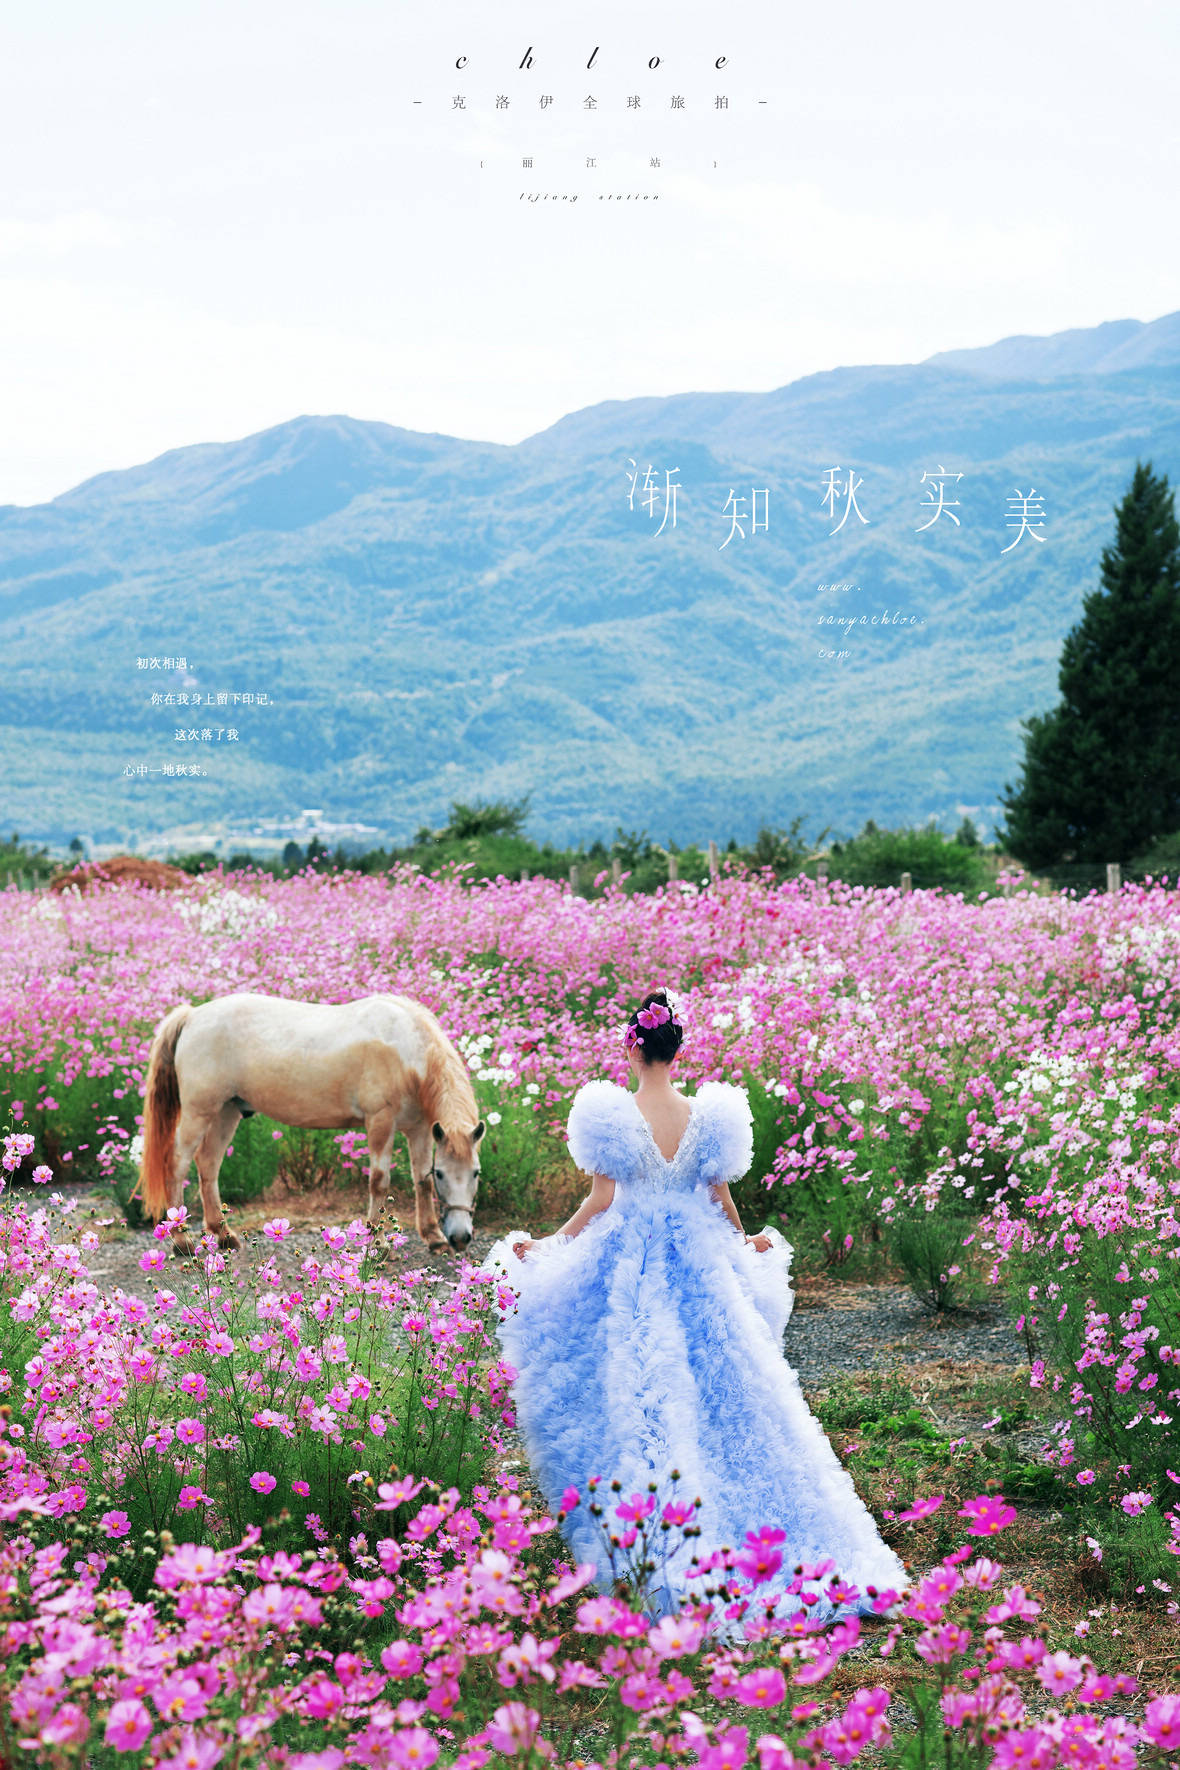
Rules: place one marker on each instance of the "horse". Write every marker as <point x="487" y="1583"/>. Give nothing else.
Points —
<point x="383" y="1063"/>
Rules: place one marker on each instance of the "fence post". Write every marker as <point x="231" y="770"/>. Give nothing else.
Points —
<point x="573" y="878"/>
<point x="673" y="868"/>
<point x="524" y="873"/>
<point x="616" y="867"/>
<point x="821" y="872"/>
<point x="712" y="859"/>
<point x="907" y="883"/>
<point x="1114" y="877"/>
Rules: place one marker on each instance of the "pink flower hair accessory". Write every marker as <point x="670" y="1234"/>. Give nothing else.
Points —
<point x="655" y="1014"/>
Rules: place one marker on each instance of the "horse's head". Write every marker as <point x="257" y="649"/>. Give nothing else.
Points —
<point x="456" y="1180"/>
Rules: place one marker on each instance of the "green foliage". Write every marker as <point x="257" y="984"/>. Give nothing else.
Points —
<point x="785" y="852"/>
<point x="846" y="1403"/>
<point x="928" y="1245"/>
<point x="22" y="864"/>
<point x="1101" y="770"/>
<point x="510" y="1154"/>
<point x="933" y="861"/>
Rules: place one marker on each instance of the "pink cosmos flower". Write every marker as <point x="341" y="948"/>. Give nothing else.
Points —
<point x="570" y="1582"/>
<point x="302" y="1489"/>
<point x="402" y="1659"/>
<point x="189" y="1563"/>
<point x="513" y="1728"/>
<point x="190" y="1431"/>
<point x="277" y="1228"/>
<point x="128" y="1725"/>
<point x="391" y="1494"/>
<point x="921" y="1508"/>
<point x="188" y="1497"/>
<point x="1134" y="1503"/>
<point x="197" y="1751"/>
<point x="763" y="1689"/>
<point x="114" y="1524"/>
<point x="1060" y="1673"/>
<point x="674" y="1636"/>
<point x="413" y="1749"/>
<point x="262" y="1481"/>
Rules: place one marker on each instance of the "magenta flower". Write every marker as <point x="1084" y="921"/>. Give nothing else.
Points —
<point x="188" y="1497"/>
<point x="640" y="1505"/>
<point x="988" y="1513"/>
<point x="1134" y="1503"/>
<point x="1161" y="1721"/>
<point x="114" y="1524"/>
<point x="277" y="1228"/>
<point x="190" y="1431"/>
<point x="262" y="1481"/>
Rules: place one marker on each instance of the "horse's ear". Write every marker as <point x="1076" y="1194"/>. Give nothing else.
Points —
<point x="478" y="1131"/>
<point x="437" y="1132"/>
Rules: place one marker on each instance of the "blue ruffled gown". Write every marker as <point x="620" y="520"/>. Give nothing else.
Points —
<point x="652" y="1341"/>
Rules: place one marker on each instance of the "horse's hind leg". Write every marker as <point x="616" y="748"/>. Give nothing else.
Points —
<point x="191" y="1130"/>
<point x="209" y="1159"/>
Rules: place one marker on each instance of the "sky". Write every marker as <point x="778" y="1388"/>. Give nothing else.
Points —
<point x="214" y="217"/>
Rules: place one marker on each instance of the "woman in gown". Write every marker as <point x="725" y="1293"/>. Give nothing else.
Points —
<point x="647" y="1338"/>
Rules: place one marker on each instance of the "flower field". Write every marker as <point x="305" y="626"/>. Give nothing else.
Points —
<point x="268" y="1520"/>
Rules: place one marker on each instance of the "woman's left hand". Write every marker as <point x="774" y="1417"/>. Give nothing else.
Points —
<point x="760" y="1243"/>
<point x="521" y="1248"/>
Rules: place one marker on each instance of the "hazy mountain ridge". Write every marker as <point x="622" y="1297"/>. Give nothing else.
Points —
<point x="437" y="618"/>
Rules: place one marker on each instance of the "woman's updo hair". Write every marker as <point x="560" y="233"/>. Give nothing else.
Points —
<point x="654" y="1028"/>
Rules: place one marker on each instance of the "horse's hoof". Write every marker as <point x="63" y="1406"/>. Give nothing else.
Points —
<point x="227" y="1239"/>
<point x="442" y="1246"/>
<point x="182" y="1246"/>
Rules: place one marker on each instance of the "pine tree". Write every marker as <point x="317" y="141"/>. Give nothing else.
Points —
<point x="1101" y="771"/>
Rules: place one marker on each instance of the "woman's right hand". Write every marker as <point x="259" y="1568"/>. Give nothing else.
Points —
<point x="760" y="1243"/>
<point x="521" y="1248"/>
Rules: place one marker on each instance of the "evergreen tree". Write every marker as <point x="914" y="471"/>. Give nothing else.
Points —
<point x="1101" y="771"/>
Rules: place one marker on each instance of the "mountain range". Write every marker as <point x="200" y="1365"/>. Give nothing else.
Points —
<point x="433" y="619"/>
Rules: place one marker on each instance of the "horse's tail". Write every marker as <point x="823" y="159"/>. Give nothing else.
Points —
<point x="161" y="1109"/>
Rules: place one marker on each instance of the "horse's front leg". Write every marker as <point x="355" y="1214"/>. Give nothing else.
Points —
<point x="380" y="1131"/>
<point x="425" y="1198"/>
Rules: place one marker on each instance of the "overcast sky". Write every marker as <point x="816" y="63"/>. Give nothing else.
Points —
<point x="216" y="216"/>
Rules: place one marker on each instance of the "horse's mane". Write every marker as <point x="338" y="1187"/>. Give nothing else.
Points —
<point x="446" y="1093"/>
